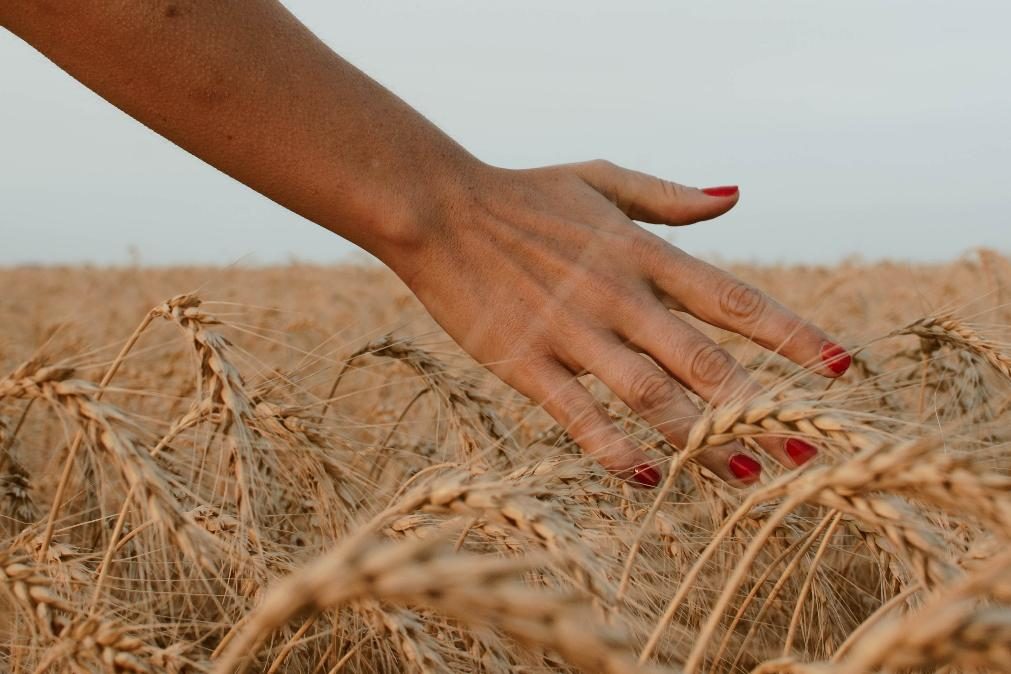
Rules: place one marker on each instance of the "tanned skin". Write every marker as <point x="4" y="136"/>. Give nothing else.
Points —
<point x="540" y="274"/>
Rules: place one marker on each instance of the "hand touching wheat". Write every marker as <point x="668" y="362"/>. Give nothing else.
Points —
<point x="539" y="274"/>
<point x="542" y="275"/>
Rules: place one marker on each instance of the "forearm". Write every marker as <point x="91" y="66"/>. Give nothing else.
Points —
<point x="249" y="89"/>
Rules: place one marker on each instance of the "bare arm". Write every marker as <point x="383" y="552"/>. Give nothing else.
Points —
<point x="540" y="274"/>
<point x="247" y="88"/>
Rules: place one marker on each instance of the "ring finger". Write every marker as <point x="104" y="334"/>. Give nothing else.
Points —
<point x="709" y="370"/>
<point x="660" y="401"/>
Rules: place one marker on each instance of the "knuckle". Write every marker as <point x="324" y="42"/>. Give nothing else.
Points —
<point x="529" y="359"/>
<point x="710" y="365"/>
<point x="741" y="301"/>
<point x="653" y="253"/>
<point x="670" y="190"/>
<point x="650" y="391"/>
<point x="607" y="294"/>
<point x="599" y="167"/>
<point x="531" y="365"/>
<point x="645" y="246"/>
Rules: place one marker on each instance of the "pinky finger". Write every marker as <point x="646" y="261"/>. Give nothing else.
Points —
<point x="585" y="419"/>
<point x="662" y="403"/>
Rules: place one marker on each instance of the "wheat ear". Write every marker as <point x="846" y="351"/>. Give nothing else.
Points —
<point x="949" y="330"/>
<point x="468" y="587"/>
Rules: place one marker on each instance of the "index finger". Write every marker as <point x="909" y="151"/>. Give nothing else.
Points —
<point x="721" y="299"/>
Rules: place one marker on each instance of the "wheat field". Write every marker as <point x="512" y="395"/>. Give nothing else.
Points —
<point x="292" y="469"/>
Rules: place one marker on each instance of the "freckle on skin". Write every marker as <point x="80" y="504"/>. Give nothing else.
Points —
<point x="172" y="11"/>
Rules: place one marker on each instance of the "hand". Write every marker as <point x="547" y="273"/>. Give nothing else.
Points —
<point x="542" y="275"/>
<point x="538" y="274"/>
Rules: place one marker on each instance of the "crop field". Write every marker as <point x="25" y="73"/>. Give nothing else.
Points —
<point x="292" y="469"/>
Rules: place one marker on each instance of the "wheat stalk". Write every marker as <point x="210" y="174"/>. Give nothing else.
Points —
<point x="945" y="329"/>
<point x="321" y="539"/>
<point x="91" y="642"/>
<point x="467" y="587"/>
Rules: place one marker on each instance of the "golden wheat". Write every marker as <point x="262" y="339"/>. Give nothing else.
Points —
<point x="307" y="476"/>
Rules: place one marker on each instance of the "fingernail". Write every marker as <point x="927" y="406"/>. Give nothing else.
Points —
<point x="836" y="358"/>
<point x="800" y="451"/>
<point x="745" y="468"/>
<point x="645" y="476"/>
<point x="721" y="191"/>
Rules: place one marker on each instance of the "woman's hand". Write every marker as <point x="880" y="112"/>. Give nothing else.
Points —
<point x="539" y="274"/>
<point x="542" y="275"/>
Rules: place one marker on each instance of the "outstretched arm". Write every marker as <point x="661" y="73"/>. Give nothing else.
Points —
<point x="250" y="90"/>
<point x="540" y="274"/>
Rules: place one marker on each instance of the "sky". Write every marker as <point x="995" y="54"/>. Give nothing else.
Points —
<point x="869" y="128"/>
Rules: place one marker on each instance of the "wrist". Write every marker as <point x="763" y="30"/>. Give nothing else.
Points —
<point x="430" y="206"/>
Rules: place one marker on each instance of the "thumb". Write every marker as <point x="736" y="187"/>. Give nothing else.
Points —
<point x="650" y="199"/>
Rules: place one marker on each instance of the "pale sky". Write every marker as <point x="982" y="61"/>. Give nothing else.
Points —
<point x="871" y="127"/>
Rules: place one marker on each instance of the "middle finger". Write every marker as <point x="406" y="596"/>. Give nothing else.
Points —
<point x="708" y="369"/>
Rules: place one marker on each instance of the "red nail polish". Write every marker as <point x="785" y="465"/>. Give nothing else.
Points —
<point x="745" y="468"/>
<point x="645" y="476"/>
<point x="836" y="358"/>
<point x="800" y="451"/>
<point x="722" y="191"/>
